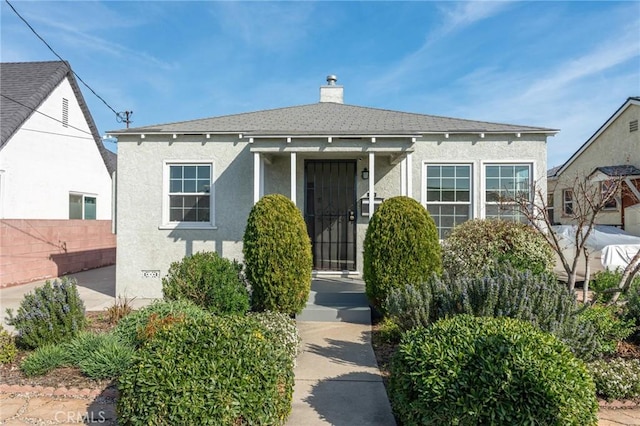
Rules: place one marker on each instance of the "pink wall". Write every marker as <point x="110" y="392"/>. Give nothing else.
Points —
<point x="32" y="250"/>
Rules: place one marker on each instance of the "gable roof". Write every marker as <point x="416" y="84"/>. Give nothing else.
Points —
<point x="633" y="100"/>
<point x="25" y="85"/>
<point x="329" y="118"/>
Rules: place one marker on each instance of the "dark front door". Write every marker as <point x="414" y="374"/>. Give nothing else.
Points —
<point x="330" y="213"/>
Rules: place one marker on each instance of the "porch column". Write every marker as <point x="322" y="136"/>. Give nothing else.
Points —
<point x="258" y="177"/>
<point x="403" y="176"/>
<point x="293" y="177"/>
<point x="372" y="178"/>
<point x="409" y="175"/>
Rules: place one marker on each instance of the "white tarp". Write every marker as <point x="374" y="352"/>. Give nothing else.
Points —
<point x="620" y="246"/>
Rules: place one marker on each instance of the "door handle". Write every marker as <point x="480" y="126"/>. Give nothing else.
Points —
<point x="352" y="215"/>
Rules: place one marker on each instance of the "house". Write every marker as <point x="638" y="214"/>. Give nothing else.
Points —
<point x="55" y="176"/>
<point x="189" y="186"/>
<point x="611" y="153"/>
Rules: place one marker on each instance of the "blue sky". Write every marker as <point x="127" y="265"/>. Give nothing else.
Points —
<point x="563" y="65"/>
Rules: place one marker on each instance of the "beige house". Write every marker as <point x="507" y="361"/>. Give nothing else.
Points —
<point x="189" y="186"/>
<point x="612" y="153"/>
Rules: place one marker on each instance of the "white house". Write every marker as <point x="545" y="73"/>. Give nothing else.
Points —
<point x="611" y="153"/>
<point x="55" y="176"/>
<point x="189" y="186"/>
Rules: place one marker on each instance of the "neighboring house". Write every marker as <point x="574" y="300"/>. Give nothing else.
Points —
<point x="189" y="186"/>
<point x="55" y="176"/>
<point x="612" y="153"/>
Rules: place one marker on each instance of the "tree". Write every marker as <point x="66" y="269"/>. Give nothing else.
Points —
<point x="589" y="199"/>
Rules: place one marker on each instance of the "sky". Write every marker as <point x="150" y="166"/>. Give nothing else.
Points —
<point x="559" y="65"/>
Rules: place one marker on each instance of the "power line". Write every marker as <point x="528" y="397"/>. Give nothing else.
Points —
<point x="119" y="115"/>
<point x="46" y="115"/>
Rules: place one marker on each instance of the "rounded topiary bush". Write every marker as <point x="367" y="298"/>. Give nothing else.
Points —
<point x="478" y="244"/>
<point x="277" y="256"/>
<point x="208" y="280"/>
<point x="216" y="370"/>
<point x="469" y="371"/>
<point x="401" y="247"/>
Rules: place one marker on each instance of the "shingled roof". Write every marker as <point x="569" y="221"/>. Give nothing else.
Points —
<point x="329" y="118"/>
<point x="25" y="85"/>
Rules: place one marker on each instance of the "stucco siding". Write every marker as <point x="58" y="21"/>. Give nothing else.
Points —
<point x="44" y="161"/>
<point x="616" y="145"/>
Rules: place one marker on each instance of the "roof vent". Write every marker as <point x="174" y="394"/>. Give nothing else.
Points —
<point x="332" y="92"/>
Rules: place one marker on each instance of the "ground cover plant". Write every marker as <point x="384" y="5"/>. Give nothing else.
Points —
<point x="479" y="370"/>
<point x="400" y="247"/>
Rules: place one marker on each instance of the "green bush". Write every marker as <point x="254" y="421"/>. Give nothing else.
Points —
<point x="52" y="314"/>
<point x="277" y="256"/>
<point x="470" y="371"/>
<point x="282" y="330"/>
<point x="632" y="307"/>
<point x="616" y="378"/>
<point x="603" y="282"/>
<point x="208" y="280"/>
<point x="215" y="370"/>
<point x="45" y="359"/>
<point x="480" y="244"/>
<point x="400" y="247"/>
<point x="130" y="329"/>
<point x="503" y="292"/>
<point x="8" y="350"/>
<point x="608" y="327"/>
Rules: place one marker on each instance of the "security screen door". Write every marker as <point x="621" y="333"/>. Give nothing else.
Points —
<point x="330" y="213"/>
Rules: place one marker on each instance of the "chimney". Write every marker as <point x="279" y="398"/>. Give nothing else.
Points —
<point x="331" y="92"/>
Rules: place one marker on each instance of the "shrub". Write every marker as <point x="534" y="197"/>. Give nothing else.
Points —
<point x="45" y="359"/>
<point x="476" y="245"/>
<point x="632" y="307"/>
<point x="109" y="360"/>
<point x="504" y="292"/>
<point x="400" y="247"/>
<point x="120" y="309"/>
<point x="469" y="371"/>
<point x="216" y="370"/>
<point x="616" y="378"/>
<point x="608" y="327"/>
<point x="82" y="346"/>
<point x="130" y="330"/>
<point x="277" y="256"/>
<point x="208" y="280"/>
<point x="8" y="350"/>
<point x="282" y="330"/>
<point x="52" y="314"/>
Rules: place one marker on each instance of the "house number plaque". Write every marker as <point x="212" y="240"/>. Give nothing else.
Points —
<point x="150" y="274"/>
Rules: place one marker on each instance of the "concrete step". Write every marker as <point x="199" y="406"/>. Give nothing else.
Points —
<point x="343" y="298"/>
<point x="351" y="314"/>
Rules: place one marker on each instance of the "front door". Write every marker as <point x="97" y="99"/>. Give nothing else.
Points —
<point x="330" y="213"/>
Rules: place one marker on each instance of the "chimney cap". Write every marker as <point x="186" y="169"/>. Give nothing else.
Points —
<point x="331" y="79"/>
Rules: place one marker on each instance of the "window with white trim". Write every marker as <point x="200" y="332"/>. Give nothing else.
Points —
<point x="82" y="206"/>
<point x="606" y="192"/>
<point x="567" y="202"/>
<point x="504" y="182"/>
<point x="188" y="193"/>
<point x="448" y="195"/>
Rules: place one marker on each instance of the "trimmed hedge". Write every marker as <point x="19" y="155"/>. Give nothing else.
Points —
<point x="478" y="244"/>
<point x="208" y="280"/>
<point x="277" y="256"/>
<point x="400" y="247"/>
<point x="469" y="371"/>
<point x="215" y="370"/>
<point x="51" y="314"/>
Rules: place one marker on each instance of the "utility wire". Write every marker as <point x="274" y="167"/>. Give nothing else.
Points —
<point x="59" y="57"/>
<point x="46" y="115"/>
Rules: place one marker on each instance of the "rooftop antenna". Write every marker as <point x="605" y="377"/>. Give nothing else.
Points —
<point x="124" y="117"/>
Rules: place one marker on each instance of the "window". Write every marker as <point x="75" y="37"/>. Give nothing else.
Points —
<point x="82" y="207"/>
<point x="189" y="198"/>
<point x="567" y="202"/>
<point x="504" y="182"/>
<point x="448" y="195"/>
<point x="606" y="187"/>
<point x="550" y="209"/>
